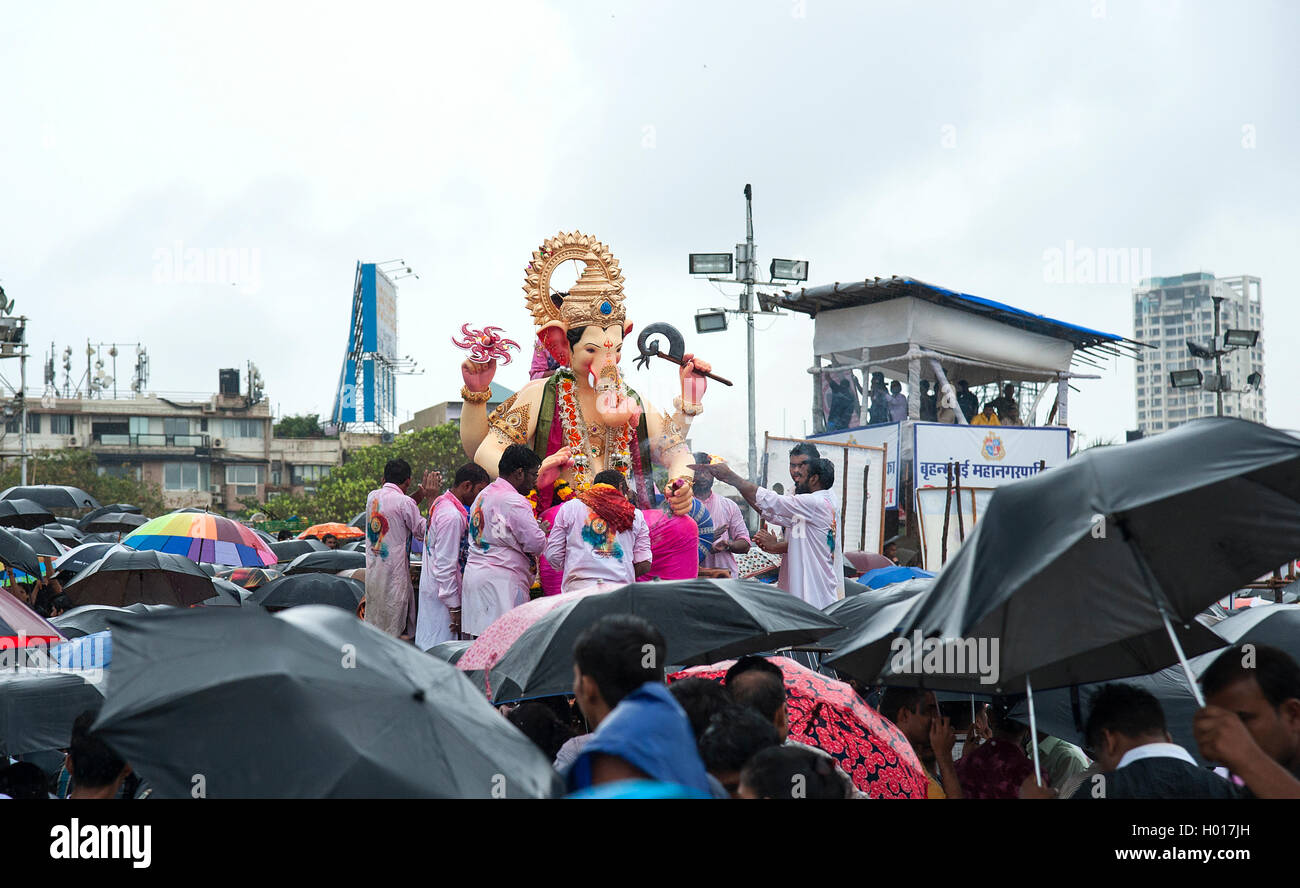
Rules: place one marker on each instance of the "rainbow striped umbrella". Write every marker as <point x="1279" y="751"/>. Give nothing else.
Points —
<point x="204" y="538"/>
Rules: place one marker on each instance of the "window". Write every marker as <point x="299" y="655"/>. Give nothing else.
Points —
<point x="176" y="426"/>
<point x="33" y="423"/>
<point x="119" y="470"/>
<point x="243" y="428"/>
<point x="310" y="475"/>
<point x="60" y="424"/>
<point x="245" y="479"/>
<point x="185" y="476"/>
<point x="13" y="424"/>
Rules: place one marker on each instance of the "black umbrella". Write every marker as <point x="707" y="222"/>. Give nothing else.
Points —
<point x="105" y="537"/>
<point x="115" y="522"/>
<point x="449" y="650"/>
<point x="311" y="588"/>
<point x="1062" y="712"/>
<point x="1081" y="572"/>
<point x="61" y="533"/>
<point x="327" y="561"/>
<point x="291" y="549"/>
<point x="90" y="516"/>
<point x="23" y="513"/>
<point x="307" y="703"/>
<point x="38" y="707"/>
<point x="91" y="618"/>
<point x="358" y="521"/>
<point x="53" y="496"/>
<point x="151" y="577"/>
<point x="40" y="543"/>
<point x="354" y="546"/>
<point x="227" y="594"/>
<point x="861" y="650"/>
<point x="703" y="621"/>
<point x="78" y="559"/>
<point x="16" y="553"/>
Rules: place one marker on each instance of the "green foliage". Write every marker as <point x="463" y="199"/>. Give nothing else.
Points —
<point x="343" y="494"/>
<point x="80" y="468"/>
<point x="306" y="425"/>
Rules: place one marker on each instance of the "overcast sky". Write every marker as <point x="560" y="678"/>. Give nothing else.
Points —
<point x="952" y="142"/>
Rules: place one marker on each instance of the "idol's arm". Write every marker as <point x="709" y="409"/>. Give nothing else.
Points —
<point x="474" y="412"/>
<point x="513" y="422"/>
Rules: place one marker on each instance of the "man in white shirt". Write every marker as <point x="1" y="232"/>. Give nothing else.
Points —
<point x="442" y="566"/>
<point x="599" y="537"/>
<point x="815" y="553"/>
<point x="731" y="534"/>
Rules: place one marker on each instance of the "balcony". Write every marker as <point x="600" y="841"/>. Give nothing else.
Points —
<point x="147" y="441"/>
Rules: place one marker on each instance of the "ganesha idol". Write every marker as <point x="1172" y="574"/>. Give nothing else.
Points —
<point x="581" y="417"/>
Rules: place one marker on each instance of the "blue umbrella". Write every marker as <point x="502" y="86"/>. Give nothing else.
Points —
<point x="884" y="576"/>
<point x="93" y="651"/>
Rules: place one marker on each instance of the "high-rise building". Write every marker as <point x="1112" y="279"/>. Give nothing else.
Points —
<point x="1171" y="310"/>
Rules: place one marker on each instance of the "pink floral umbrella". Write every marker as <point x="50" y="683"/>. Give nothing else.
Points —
<point x="829" y="715"/>
<point x="496" y="639"/>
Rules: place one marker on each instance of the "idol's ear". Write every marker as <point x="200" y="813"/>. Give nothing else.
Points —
<point x="627" y="329"/>
<point x="555" y="340"/>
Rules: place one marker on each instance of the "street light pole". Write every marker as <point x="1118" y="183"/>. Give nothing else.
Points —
<point x="747" y="306"/>
<point x="1218" y="361"/>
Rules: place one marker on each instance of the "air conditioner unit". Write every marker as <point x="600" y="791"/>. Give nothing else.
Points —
<point x="217" y="442"/>
<point x="215" y="489"/>
<point x="72" y="441"/>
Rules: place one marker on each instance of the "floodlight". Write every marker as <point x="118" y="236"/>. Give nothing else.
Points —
<point x="710" y="321"/>
<point x="1185" y="378"/>
<point x="710" y="263"/>
<point x="1240" y="338"/>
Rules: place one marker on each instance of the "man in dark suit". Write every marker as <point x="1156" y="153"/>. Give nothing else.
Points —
<point x="1127" y="736"/>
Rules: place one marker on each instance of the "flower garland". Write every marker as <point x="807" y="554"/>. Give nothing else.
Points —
<point x="562" y="494"/>
<point x="577" y="434"/>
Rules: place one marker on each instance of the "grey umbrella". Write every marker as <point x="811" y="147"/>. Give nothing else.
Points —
<point x="307" y="703"/>
<point x="115" y="522"/>
<point x="290" y="549"/>
<point x="53" y="496"/>
<point x="296" y="590"/>
<point x="78" y="559"/>
<point x="38" y="707"/>
<point x="24" y="513"/>
<point x="1062" y="712"/>
<point x="40" y="543"/>
<point x="91" y="618"/>
<point x="703" y="621"/>
<point x="152" y="577"/>
<point x="883" y="609"/>
<point x="1081" y="572"/>
<point x="227" y="594"/>
<point x="16" y="553"/>
<point x="327" y="561"/>
<point x="449" y="650"/>
<point x="90" y="516"/>
<point x="61" y="533"/>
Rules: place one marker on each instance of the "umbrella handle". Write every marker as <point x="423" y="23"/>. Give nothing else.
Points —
<point x="1033" y="731"/>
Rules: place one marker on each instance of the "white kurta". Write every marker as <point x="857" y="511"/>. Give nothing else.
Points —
<point x="587" y="551"/>
<point x="728" y="524"/>
<point x="392" y="519"/>
<point x="502" y="534"/>
<point x="440" y="576"/>
<point x="814" y="562"/>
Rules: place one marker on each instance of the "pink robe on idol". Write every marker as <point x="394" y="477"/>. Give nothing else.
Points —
<point x="498" y="573"/>
<point x="392" y="520"/>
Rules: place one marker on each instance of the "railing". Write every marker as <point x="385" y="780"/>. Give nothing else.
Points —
<point x="148" y="440"/>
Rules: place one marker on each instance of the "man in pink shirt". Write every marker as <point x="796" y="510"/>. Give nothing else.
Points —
<point x="443" y="560"/>
<point x="599" y="537"/>
<point x="392" y="520"/>
<point x="730" y="533"/>
<point x="504" y="539"/>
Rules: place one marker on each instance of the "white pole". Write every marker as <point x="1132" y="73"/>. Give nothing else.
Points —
<point x="1182" y="660"/>
<point x="1033" y="730"/>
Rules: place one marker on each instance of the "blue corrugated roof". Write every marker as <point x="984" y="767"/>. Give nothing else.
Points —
<point x="829" y="297"/>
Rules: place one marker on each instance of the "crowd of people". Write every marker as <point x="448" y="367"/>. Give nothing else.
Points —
<point x="887" y="402"/>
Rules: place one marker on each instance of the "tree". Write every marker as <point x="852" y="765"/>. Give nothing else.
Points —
<point x="80" y="468"/>
<point x="306" y="425"/>
<point x="343" y="494"/>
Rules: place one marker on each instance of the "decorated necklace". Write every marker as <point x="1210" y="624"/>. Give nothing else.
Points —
<point x="613" y="445"/>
